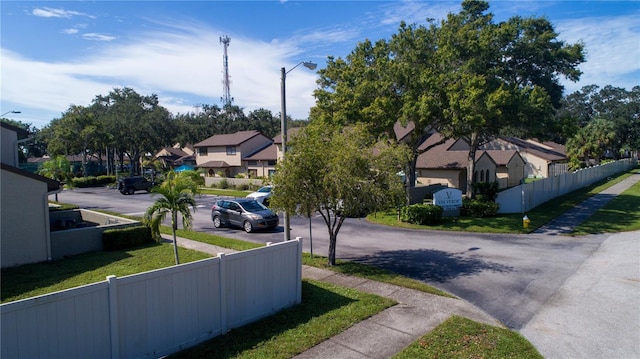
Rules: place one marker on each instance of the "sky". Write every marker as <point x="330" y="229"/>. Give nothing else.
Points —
<point x="55" y="54"/>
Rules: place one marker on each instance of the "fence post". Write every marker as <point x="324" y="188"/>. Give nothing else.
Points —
<point x="299" y="271"/>
<point x="223" y="294"/>
<point x="112" y="282"/>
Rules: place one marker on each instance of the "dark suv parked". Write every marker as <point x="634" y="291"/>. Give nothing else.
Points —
<point x="128" y="185"/>
<point x="246" y="213"/>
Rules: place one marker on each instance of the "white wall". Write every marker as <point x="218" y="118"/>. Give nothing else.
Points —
<point x="153" y="314"/>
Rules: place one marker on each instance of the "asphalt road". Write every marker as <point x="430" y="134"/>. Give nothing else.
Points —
<point x="514" y="278"/>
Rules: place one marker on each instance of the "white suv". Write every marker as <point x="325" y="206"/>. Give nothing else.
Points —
<point x="262" y="195"/>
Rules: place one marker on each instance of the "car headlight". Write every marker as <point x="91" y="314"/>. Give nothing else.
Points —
<point x="255" y="217"/>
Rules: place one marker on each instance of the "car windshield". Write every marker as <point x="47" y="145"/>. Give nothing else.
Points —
<point x="265" y="190"/>
<point x="253" y="206"/>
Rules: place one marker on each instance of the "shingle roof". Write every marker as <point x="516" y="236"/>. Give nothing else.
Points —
<point x="231" y="139"/>
<point x="214" y="164"/>
<point x="269" y="153"/>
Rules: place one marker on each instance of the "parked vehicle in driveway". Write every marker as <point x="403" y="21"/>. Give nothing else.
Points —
<point x="262" y="195"/>
<point x="129" y="185"/>
<point x="246" y="213"/>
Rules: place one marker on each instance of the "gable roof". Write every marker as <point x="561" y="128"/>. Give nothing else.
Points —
<point x="549" y="151"/>
<point x="52" y="185"/>
<point x="269" y="153"/>
<point x="231" y="139"/>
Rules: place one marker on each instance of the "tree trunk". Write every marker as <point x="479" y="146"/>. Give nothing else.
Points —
<point x="471" y="164"/>
<point x="332" y="249"/>
<point x="174" y="226"/>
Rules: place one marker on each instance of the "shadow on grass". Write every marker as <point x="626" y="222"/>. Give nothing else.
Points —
<point x="432" y="265"/>
<point x="316" y="302"/>
<point x="28" y="277"/>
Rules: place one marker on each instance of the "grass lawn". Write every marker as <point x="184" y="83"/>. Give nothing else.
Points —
<point x="621" y="214"/>
<point x="224" y="192"/>
<point x="459" y="337"/>
<point x="41" y="278"/>
<point x="326" y="310"/>
<point x="508" y="223"/>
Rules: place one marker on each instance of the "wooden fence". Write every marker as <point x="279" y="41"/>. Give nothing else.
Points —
<point x="153" y="314"/>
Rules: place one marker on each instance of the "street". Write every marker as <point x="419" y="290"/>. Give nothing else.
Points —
<point x="514" y="278"/>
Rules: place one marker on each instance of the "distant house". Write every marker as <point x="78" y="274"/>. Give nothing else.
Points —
<point x="226" y="153"/>
<point x="176" y="156"/>
<point x="263" y="162"/>
<point x="446" y="164"/>
<point x="24" y="208"/>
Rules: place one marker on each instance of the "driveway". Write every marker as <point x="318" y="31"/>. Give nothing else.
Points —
<point x="514" y="278"/>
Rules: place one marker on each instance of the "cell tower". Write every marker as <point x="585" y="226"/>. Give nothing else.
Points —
<point x="226" y="99"/>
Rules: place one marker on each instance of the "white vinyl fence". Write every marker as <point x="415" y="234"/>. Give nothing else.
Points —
<point x="156" y="313"/>
<point x="525" y="197"/>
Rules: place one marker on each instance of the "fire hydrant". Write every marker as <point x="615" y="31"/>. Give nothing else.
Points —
<point x="525" y="221"/>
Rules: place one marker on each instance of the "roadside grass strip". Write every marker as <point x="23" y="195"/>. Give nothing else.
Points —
<point x="460" y="337"/>
<point x="326" y="310"/>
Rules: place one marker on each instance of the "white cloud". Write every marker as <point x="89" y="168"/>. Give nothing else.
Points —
<point x="58" y="13"/>
<point x="97" y="37"/>
<point x="70" y="31"/>
<point x="612" y="46"/>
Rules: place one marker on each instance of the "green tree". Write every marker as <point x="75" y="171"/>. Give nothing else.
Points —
<point x="57" y="168"/>
<point x="176" y="198"/>
<point x="466" y="77"/>
<point x="341" y="172"/>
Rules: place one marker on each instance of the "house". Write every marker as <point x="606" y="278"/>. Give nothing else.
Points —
<point x="543" y="159"/>
<point x="446" y="164"/>
<point x="176" y="156"/>
<point x="263" y="162"/>
<point x="226" y="153"/>
<point x="24" y="208"/>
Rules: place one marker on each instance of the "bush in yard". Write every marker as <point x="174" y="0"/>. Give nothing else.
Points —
<point x="224" y="184"/>
<point x="487" y="191"/>
<point x="424" y="214"/>
<point x="478" y="208"/>
<point x="104" y="180"/>
<point x="83" y="182"/>
<point x="125" y="238"/>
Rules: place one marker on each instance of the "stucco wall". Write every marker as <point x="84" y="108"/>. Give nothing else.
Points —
<point x="449" y="178"/>
<point x="8" y="151"/>
<point x="24" y="218"/>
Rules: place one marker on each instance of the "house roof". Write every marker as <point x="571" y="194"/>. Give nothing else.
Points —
<point x="18" y="130"/>
<point x="548" y="150"/>
<point x="291" y="132"/>
<point x="402" y="132"/>
<point x="501" y="158"/>
<point x="269" y="153"/>
<point x="52" y="185"/>
<point x="231" y="139"/>
<point x="214" y="164"/>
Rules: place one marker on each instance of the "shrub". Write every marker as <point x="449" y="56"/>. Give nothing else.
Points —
<point x="83" y="182"/>
<point x="488" y="191"/>
<point x="243" y="187"/>
<point x="104" y="180"/>
<point x="125" y="238"/>
<point x="478" y="208"/>
<point x="424" y="214"/>
<point x="223" y="183"/>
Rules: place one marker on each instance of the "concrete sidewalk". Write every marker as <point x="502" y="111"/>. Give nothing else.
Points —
<point x="386" y="333"/>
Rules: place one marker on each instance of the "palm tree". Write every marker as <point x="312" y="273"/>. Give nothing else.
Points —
<point x="177" y="194"/>
<point x="57" y="168"/>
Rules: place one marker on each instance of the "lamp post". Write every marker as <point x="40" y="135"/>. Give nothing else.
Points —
<point x="10" y="112"/>
<point x="283" y="126"/>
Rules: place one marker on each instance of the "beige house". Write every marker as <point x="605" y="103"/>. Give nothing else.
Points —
<point x="542" y="159"/>
<point x="446" y="164"/>
<point x="263" y="162"/>
<point x="175" y="156"/>
<point x="226" y="153"/>
<point x="24" y="209"/>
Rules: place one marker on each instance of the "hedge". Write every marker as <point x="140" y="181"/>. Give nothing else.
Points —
<point x="479" y="208"/>
<point x="424" y="214"/>
<point x="125" y="238"/>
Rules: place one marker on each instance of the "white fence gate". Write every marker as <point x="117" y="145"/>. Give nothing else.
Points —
<point x="156" y="313"/>
<point x="525" y="197"/>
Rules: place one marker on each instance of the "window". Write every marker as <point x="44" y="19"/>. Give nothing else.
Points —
<point x="253" y="163"/>
<point x="271" y="163"/>
<point x="203" y="151"/>
<point x="271" y="173"/>
<point x="481" y="176"/>
<point x="231" y="150"/>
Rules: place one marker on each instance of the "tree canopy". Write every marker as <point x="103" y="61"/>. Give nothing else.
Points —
<point x="339" y="172"/>
<point x="466" y="77"/>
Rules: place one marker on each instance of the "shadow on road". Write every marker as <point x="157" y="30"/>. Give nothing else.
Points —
<point x="432" y="265"/>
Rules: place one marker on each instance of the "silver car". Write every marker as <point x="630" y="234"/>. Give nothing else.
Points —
<point x="246" y="213"/>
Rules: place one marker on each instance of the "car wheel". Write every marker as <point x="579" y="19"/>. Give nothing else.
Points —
<point x="130" y="190"/>
<point x="247" y="227"/>
<point x="216" y="222"/>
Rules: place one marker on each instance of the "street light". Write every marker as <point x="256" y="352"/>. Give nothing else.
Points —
<point x="10" y="112"/>
<point x="283" y="126"/>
